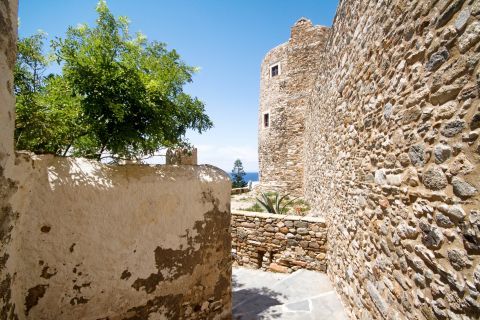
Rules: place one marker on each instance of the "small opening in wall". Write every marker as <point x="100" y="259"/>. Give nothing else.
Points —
<point x="274" y="70"/>
<point x="260" y="259"/>
<point x="266" y="120"/>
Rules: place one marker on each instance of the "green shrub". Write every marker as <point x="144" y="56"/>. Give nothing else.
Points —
<point x="274" y="203"/>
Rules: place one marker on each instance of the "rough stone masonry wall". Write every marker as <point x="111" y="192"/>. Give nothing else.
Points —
<point x="277" y="242"/>
<point x="285" y="98"/>
<point x="81" y="240"/>
<point x="392" y="157"/>
<point x="272" y="139"/>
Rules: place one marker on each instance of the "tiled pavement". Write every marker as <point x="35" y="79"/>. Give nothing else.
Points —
<point x="305" y="295"/>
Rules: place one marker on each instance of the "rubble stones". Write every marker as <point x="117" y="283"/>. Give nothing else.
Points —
<point x="434" y="178"/>
<point x="301" y="244"/>
<point x="387" y="111"/>
<point x="454" y="212"/>
<point x="448" y="13"/>
<point x="380" y="177"/>
<point x="462" y="18"/>
<point x="476" y="277"/>
<point x="437" y="59"/>
<point x="453" y="128"/>
<point x="469" y="37"/>
<point x="433" y="237"/>
<point x="417" y="155"/>
<point x="442" y="153"/>
<point x="443" y="221"/>
<point x="462" y="188"/>
<point x="458" y="259"/>
<point x="475" y="123"/>
<point x="405" y="231"/>
<point x="446" y="110"/>
<point x="408" y="107"/>
<point x="277" y="268"/>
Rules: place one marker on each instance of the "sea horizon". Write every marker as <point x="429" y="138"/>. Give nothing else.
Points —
<point x="249" y="176"/>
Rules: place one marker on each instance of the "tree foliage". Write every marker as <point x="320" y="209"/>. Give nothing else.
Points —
<point x="47" y="115"/>
<point x="237" y="175"/>
<point x="118" y="94"/>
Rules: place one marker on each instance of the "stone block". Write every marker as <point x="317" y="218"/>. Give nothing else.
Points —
<point x="277" y="268"/>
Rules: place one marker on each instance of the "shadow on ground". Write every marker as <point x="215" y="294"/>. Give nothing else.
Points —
<point x="302" y="295"/>
<point x="252" y="302"/>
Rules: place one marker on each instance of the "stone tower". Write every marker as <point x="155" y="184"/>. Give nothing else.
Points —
<point x="287" y="78"/>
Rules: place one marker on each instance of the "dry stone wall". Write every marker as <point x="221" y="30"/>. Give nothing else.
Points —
<point x="277" y="242"/>
<point x="392" y="157"/>
<point x="284" y="97"/>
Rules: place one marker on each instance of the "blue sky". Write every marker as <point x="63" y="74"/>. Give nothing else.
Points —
<point x="227" y="39"/>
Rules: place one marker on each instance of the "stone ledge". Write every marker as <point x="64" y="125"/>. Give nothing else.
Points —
<point x="266" y="215"/>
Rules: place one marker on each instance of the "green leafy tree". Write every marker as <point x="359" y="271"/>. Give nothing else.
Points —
<point x="131" y="90"/>
<point x="237" y="175"/>
<point x="47" y="116"/>
<point x="118" y="95"/>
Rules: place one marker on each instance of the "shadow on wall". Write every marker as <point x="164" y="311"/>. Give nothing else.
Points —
<point x="251" y="303"/>
<point x="125" y="236"/>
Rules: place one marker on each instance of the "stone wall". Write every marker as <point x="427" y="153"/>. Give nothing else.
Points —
<point x="82" y="240"/>
<point x="129" y="242"/>
<point x="182" y="156"/>
<point x="392" y="157"/>
<point x="284" y="98"/>
<point x="8" y="183"/>
<point x="277" y="242"/>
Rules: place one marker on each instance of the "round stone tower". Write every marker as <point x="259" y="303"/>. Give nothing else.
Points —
<point x="287" y="78"/>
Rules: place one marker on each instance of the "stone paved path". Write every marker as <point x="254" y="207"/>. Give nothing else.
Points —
<point x="303" y="295"/>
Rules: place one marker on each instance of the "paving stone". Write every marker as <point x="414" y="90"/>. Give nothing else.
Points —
<point x="303" y="305"/>
<point x="302" y="295"/>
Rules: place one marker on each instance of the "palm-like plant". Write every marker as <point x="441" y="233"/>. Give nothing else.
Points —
<point x="275" y="205"/>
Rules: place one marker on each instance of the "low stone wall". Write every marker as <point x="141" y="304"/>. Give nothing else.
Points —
<point x="277" y="242"/>
<point x="240" y="190"/>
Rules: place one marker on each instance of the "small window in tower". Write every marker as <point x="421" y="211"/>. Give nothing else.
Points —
<point x="266" y="120"/>
<point x="274" y="70"/>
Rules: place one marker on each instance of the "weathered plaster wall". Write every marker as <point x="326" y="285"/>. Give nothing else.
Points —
<point x="81" y="240"/>
<point x="182" y="156"/>
<point x="121" y="242"/>
<point x="285" y="98"/>
<point x="277" y="242"/>
<point x="8" y="185"/>
<point x="392" y="157"/>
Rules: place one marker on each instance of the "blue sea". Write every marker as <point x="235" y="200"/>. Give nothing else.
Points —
<point x="249" y="176"/>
